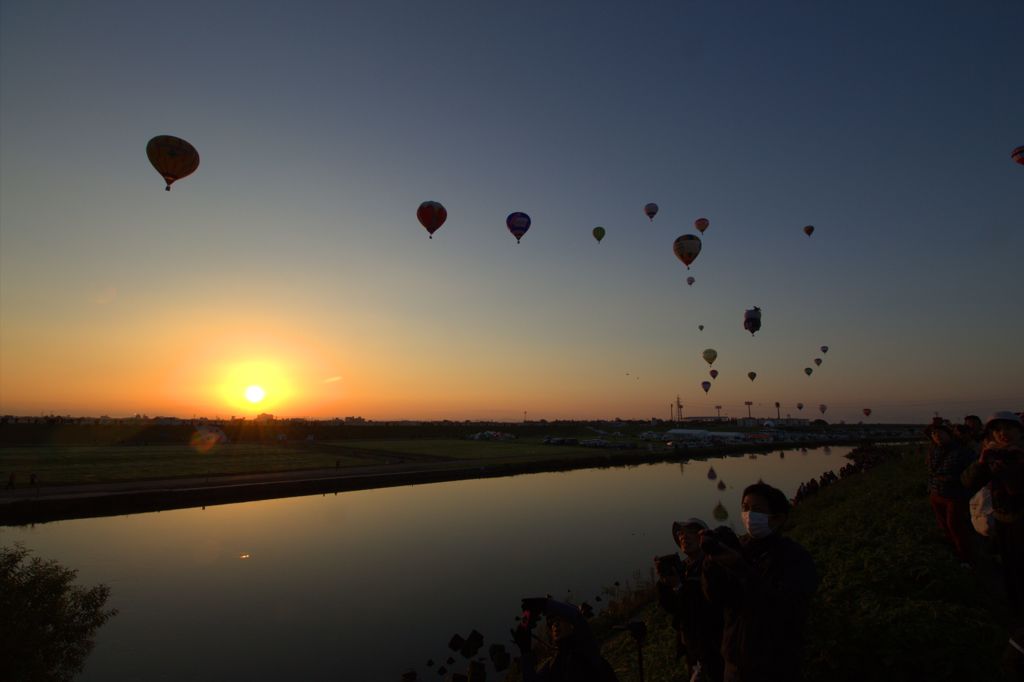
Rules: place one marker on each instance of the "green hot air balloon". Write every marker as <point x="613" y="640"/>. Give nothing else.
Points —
<point x="598" y="234"/>
<point x="709" y="355"/>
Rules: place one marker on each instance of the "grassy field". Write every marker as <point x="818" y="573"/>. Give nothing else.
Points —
<point x="892" y="604"/>
<point x="72" y="465"/>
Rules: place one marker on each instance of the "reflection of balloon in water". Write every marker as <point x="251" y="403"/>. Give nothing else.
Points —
<point x="867" y="411"/>
<point x="173" y="158"/>
<point x="701" y="224"/>
<point x="824" y="349"/>
<point x="817" y="361"/>
<point x="714" y="373"/>
<point x="1018" y="155"/>
<point x="711" y="474"/>
<point x="706" y="385"/>
<point x="808" y="371"/>
<point x="799" y="406"/>
<point x="721" y="485"/>
<point x="690" y="281"/>
<point x="752" y="320"/>
<point x="709" y="355"/>
<point x="651" y="210"/>
<point x="682" y="468"/>
<point x="598" y="234"/>
<point x="700" y="327"/>
<point x="809" y="230"/>
<point x="719" y="512"/>
<point x="518" y="223"/>
<point x="686" y="248"/>
<point x="431" y="215"/>
<point x="823" y="407"/>
<point x="751" y="375"/>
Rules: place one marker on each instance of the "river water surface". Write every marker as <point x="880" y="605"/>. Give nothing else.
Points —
<point x="365" y="585"/>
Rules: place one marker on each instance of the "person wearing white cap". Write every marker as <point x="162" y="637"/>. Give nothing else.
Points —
<point x="1001" y="468"/>
<point x="697" y="622"/>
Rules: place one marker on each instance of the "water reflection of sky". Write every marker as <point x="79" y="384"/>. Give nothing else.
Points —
<point x="363" y="585"/>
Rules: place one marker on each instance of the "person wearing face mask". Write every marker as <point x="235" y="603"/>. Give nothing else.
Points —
<point x="764" y="588"/>
<point x="697" y="622"/>
<point x="1001" y="468"/>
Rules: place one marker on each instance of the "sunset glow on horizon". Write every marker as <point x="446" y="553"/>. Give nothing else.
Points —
<point x="292" y="258"/>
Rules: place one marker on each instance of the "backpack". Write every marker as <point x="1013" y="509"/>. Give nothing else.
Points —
<point x="981" y="512"/>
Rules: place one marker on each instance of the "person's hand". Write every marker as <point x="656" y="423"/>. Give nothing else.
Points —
<point x="523" y="639"/>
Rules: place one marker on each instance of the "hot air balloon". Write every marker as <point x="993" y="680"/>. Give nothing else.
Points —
<point x="431" y="215"/>
<point x="808" y="371"/>
<point x="824" y="349"/>
<point x="711" y="474"/>
<point x="706" y="385"/>
<point x="709" y="355"/>
<point x="173" y="158"/>
<point x="867" y="411"/>
<point x="651" y="210"/>
<point x="690" y="281"/>
<point x="721" y="485"/>
<point x="720" y="513"/>
<point x="823" y="407"/>
<point x="752" y="320"/>
<point x="598" y="234"/>
<point x="700" y="327"/>
<point x="518" y="223"/>
<point x="817" y="361"/>
<point x="686" y="248"/>
<point x="809" y="230"/>
<point x="714" y="373"/>
<point x="701" y="224"/>
<point x="1018" y="155"/>
<point x="751" y="375"/>
<point x="799" y="406"/>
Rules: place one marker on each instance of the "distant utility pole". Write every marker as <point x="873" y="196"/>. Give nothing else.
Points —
<point x="778" y="412"/>
<point x="524" y="416"/>
<point x="679" y="410"/>
<point x="748" y="403"/>
<point x="718" y="409"/>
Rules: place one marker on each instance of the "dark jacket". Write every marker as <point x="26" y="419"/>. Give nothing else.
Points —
<point x="765" y="601"/>
<point x="1003" y="471"/>
<point x="946" y="464"/>
<point x="576" y="658"/>
<point x="698" y="621"/>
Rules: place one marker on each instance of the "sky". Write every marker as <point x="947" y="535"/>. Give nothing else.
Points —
<point x="292" y="258"/>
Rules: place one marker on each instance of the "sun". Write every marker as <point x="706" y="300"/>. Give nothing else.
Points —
<point x="255" y="394"/>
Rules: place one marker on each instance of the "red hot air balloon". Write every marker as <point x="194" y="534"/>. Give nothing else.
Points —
<point x="817" y="361"/>
<point x="690" y="281"/>
<point x="867" y="411"/>
<point x="823" y="407"/>
<point x="1018" y="155"/>
<point x="824" y="349"/>
<point x="706" y="385"/>
<point x="431" y="215"/>
<point x="799" y="406"/>
<point x="686" y="248"/>
<point x="518" y="223"/>
<point x="751" y="375"/>
<point x="173" y="158"/>
<point x="651" y="210"/>
<point x="714" y="373"/>
<point x="702" y="224"/>
<point x="809" y="230"/>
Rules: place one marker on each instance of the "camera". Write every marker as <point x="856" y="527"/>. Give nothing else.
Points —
<point x="668" y="565"/>
<point x="712" y="541"/>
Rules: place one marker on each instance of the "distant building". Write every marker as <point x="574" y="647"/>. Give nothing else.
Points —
<point x="264" y="417"/>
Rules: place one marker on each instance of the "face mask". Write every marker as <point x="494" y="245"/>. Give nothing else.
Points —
<point x="756" y="524"/>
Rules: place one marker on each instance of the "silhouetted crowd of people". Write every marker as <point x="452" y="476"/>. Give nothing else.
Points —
<point x="862" y="459"/>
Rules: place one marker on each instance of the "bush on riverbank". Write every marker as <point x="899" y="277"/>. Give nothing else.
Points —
<point x="892" y="604"/>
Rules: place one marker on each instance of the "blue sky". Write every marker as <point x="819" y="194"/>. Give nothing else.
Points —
<point x="322" y="126"/>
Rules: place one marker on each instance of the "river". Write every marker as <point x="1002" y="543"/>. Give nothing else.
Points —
<point x="365" y="585"/>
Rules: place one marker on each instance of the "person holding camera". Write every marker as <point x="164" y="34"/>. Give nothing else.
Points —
<point x="575" y="655"/>
<point x="764" y="584"/>
<point x="698" y="623"/>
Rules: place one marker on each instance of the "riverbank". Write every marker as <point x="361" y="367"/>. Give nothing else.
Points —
<point x="39" y="504"/>
<point x="892" y="603"/>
